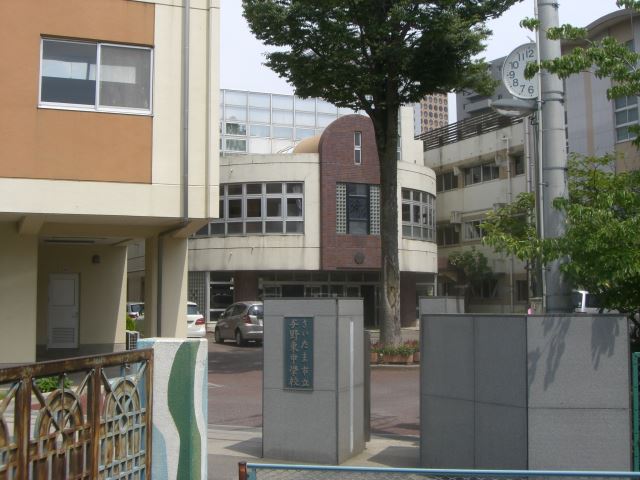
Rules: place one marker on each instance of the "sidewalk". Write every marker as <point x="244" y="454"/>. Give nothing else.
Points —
<point x="229" y="445"/>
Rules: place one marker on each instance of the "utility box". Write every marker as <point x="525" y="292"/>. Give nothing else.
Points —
<point x="313" y="384"/>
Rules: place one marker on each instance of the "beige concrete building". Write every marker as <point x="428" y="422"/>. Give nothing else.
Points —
<point x="434" y="112"/>
<point x="94" y="155"/>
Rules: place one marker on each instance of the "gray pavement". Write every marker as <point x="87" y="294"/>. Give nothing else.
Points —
<point x="229" y="445"/>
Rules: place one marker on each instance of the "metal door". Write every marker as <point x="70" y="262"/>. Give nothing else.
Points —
<point x="64" y="307"/>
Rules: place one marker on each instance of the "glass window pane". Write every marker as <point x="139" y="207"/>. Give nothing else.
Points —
<point x="621" y="117"/>
<point x="284" y="117"/>
<point x="282" y="101"/>
<point x="406" y="194"/>
<point x="253" y="227"/>
<point x="274" y="207"/>
<point x="620" y="102"/>
<point x="357" y="189"/>
<point x="305" y="104"/>
<point x="235" y="208"/>
<point x="235" y="145"/>
<point x="416" y="213"/>
<point x="234" y="189"/>
<point x="235" y="113"/>
<point x="273" y="227"/>
<point x="306" y="119"/>
<point x="325" y="120"/>
<point x="217" y="228"/>
<point x="254" y="208"/>
<point x="302" y="133"/>
<point x="406" y="213"/>
<point x="295" y="227"/>
<point x="632" y="100"/>
<point x="326" y="107"/>
<point x="294" y="188"/>
<point x="259" y="130"/>
<point x="68" y="72"/>
<point x="254" y="188"/>
<point x="234" y="228"/>
<point x="232" y="97"/>
<point x="633" y="114"/>
<point x="236" y="128"/>
<point x="259" y="115"/>
<point x="358" y="227"/>
<point x="274" y="188"/>
<point x="259" y="100"/>
<point x="125" y="77"/>
<point x="283" y="132"/>
<point x="294" y="207"/>
<point x="406" y="230"/>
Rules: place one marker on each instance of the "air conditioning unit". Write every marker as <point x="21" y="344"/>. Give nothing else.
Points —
<point x="132" y="338"/>
<point x="456" y="217"/>
<point x="497" y="206"/>
<point x="456" y="171"/>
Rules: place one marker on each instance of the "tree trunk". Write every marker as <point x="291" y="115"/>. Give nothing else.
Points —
<point x="386" y="128"/>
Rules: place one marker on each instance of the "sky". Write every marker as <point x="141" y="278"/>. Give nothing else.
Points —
<point x="242" y="55"/>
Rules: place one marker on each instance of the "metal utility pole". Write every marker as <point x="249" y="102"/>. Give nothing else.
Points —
<point x="557" y="295"/>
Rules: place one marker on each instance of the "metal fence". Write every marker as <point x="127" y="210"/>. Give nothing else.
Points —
<point x="81" y="418"/>
<point x="255" y="471"/>
<point x="635" y="379"/>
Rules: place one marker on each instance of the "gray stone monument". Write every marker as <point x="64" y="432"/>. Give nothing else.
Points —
<point x="541" y="392"/>
<point x="313" y="384"/>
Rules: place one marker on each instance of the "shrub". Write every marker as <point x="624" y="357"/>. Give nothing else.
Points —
<point x="131" y="324"/>
<point x="49" y="384"/>
<point x="414" y="345"/>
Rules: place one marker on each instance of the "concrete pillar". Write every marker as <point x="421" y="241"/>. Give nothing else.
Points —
<point x="179" y="408"/>
<point x="18" y="295"/>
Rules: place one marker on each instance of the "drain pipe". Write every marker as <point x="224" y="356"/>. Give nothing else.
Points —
<point x="184" y="159"/>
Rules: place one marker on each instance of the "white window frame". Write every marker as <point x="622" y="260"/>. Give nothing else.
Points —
<point x="472" y="231"/>
<point x="357" y="148"/>
<point x="625" y="125"/>
<point x="96" y="106"/>
<point x="426" y="224"/>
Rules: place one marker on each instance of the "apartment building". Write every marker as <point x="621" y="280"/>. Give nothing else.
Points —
<point x="93" y="157"/>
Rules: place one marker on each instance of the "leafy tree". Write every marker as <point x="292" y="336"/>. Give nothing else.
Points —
<point x="473" y="268"/>
<point x="511" y="230"/>
<point x="375" y="55"/>
<point x="602" y="235"/>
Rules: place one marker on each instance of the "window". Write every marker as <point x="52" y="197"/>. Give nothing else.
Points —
<point x="481" y="173"/>
<point x="626" y="115"/>
<point x="448" y="234"/>
<point x="95" y="76"/>
<point x="446" y="181"/>
<point x="487" y="288"/>
<point x="518" y="162"/>
<point x="472" y="230"/>
<point x="235" y="145"/>
<point x="418" y="215"/>
<point x="357" y="148"/>
<point x="357" y="209"/>
<point x="522" y="291"/>
<point x="260" y="208"/>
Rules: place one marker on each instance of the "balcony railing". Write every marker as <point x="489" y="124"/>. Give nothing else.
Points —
<point x="463" y="129"/>
<point x="81" y="418"/>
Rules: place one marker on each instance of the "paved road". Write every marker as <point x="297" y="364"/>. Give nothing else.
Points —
<point x="235" y="392"/>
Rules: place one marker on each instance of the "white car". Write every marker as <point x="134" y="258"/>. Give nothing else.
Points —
<point x="195" y="321"/>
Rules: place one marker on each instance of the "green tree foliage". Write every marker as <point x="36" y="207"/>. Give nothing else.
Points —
<point x="602" y="239"/>
<point x="473" y="268"/>
<point x="375" y="55"/>
<point x="602" y="235"/>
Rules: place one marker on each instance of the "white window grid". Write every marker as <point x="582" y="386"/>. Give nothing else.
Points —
<point x="472" y="231"/>
<point x="481" y="173"/>
<point x="357" y="148"/>
<point x="97" y="107"/>
<point x="448" y="234"/>
<point x="239" y="225"/>
<point x="625" y="115"/>
<point x="421" y="208"/>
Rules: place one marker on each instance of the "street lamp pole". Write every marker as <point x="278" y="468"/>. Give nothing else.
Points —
<point x="553" y="157"/>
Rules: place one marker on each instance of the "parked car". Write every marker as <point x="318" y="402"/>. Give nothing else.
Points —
<point x="195" y="321"/>
<point x="242" y="322"/>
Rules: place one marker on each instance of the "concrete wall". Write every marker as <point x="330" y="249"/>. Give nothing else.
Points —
<point x="291" y="427"/>
<point x="179" y="408"/>
<point x="102" y="291"/>
<point x="18" y="295"/>
<point x="525" y="392"/>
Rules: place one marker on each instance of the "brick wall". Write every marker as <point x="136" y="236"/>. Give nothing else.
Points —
<point x="339" y="251"/>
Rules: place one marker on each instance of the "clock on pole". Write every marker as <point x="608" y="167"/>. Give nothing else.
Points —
<point x="513" y="72"/>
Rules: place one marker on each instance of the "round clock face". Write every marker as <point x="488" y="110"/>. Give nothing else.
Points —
<point x="513" y="72"/>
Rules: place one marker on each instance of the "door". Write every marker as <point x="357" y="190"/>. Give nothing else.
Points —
<point x="64" y="309"/>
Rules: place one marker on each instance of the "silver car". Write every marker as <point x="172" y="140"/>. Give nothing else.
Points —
<point x="241" y="322"/>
